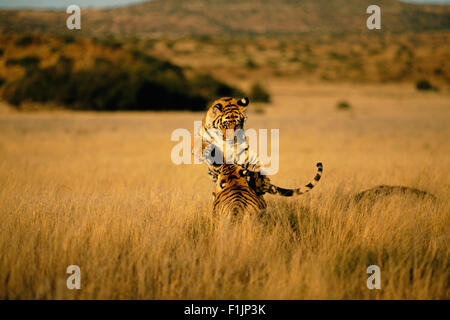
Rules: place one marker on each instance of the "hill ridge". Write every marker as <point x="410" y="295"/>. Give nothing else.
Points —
<point x="233" y="17"/>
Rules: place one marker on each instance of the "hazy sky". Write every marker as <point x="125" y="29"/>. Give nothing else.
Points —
<point x="108" y="3"/>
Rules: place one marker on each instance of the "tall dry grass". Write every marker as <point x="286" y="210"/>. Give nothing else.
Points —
<point x="100" y="191"/>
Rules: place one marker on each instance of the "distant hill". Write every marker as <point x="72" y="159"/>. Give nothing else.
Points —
<point x="235" y="17"/>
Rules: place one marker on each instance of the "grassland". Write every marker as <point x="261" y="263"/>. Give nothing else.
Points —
<point x="100" y="191"/>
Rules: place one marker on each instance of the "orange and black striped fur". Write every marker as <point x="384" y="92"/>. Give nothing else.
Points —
<point x="225" y="114"/>
<point x="235" y="195"/>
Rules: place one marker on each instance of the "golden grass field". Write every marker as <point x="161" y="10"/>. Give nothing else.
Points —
<point x="100" y="191"/>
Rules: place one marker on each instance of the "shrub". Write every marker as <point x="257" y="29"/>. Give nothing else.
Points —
<point x="24" y="41"/>
<point x="208" y="86"/>
<point x="204" y="38"/>
<point x="438" y="72"/>
<point x="111" y="43"/>
<point x="423" y="85"/>
<point x="65" y="62"/>
<point x="343" y="105"/>
<point x="68" y="38"/>
<point x="170" y="44"/>
<point x="309" y="66"/>
<point x="259" y="110"/>
<point x="26" y="62"/>
<point x="156" y="65"/>
<point x="105" y="88"/>
<point x="259" y="94"/>
<point x="152" y="84"/>
<point x="250" y="64"/>
<point x="103" y="61"/>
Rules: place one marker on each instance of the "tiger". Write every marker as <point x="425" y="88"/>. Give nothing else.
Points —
<point x="235" y="195"/>
<point x="224" y="114"/>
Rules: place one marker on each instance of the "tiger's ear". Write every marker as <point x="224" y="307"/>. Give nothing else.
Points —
<point x="243" y="102"/>
<point x="218" y="107"/>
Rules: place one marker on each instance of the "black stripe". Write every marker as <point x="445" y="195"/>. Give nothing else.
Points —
<point x="310" y="185"/>
<point x="285" y="192"/>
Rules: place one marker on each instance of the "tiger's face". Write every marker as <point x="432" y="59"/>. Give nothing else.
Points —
<point x="231" y="175"/>
<point x="226" y="113"/>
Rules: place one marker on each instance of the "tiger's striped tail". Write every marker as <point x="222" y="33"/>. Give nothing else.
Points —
<point x="291" y="192"/>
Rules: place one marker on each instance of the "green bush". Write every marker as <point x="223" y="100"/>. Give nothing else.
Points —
<point x="259" y="94"/>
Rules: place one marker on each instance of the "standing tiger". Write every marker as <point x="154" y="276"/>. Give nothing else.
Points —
<point x="235" y="196"/>
<point x="229" y="114"/>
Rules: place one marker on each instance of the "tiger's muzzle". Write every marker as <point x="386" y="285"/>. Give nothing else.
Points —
<point x="233" y="124"/>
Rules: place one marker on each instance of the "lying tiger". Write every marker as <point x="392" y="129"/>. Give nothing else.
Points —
<point x="235" y="195"/>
